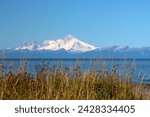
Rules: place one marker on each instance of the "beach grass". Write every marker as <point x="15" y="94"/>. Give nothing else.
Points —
<point x="58" y="83"/>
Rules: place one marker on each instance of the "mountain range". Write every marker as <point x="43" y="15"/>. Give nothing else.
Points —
<point x="71" y="47"/>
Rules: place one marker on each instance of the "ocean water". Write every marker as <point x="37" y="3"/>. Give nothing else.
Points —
<point x="139" y="69"/>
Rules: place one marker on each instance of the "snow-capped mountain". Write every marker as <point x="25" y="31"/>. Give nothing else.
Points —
<point x="71" y="47"/>
<point x="69" y="43"/>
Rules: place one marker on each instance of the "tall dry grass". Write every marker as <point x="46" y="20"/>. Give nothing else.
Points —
<point x="60" y="83"/>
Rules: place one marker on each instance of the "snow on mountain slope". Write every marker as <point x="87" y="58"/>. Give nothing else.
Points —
<point x="69" y="43"/>
<point x="29" y="46"/>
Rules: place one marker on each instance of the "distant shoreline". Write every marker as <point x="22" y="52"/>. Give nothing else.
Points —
<point x="80" y="59"/>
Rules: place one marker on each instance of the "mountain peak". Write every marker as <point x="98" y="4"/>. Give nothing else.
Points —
<point x="69" y="43"/>
<point x="70" y="37"/>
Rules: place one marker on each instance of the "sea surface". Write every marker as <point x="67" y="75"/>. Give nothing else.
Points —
<point x="139" y="69"/>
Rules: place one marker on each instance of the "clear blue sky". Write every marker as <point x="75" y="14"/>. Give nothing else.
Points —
<point x="97" y="22"/>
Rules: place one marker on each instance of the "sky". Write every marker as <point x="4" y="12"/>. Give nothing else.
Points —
<point x="101" y="23"/>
